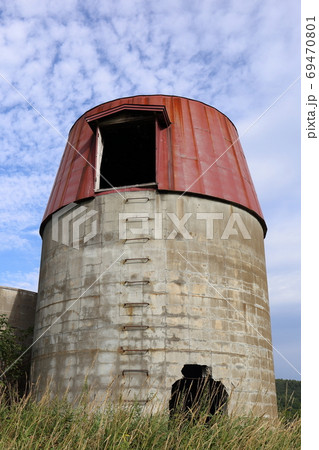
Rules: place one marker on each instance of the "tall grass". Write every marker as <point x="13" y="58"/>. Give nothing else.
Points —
<point x="56" y="424"/>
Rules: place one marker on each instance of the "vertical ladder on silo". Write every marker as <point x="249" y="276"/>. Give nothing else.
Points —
<point x="131" y="283"/>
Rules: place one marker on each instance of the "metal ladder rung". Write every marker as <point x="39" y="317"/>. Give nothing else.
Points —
<point x="135" y="305"/>
<point x="139" y="240"/>
<point x="136" y="200"/>
<point x="136" y="282"/>
<point x="128" y="371"/>
<point x="134" y="351"/>
<point x="134" y="327"/>
<point x="136" y="219"/>
<point x="136" y="260"/>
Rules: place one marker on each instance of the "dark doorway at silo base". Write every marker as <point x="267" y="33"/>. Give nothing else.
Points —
<point x="128" y="154"/>
<point x="197" y="393"/>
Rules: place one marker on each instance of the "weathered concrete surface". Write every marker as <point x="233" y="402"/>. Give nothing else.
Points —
<point x="19" y="306"/>
<point x="128" y="313"/>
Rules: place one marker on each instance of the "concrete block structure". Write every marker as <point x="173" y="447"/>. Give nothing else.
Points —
<point x="19" y="306"/>
<point x="153" y="259"/>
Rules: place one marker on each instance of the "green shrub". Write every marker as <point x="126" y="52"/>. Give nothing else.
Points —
<point x="288" y="398"/>
<point x="10" y="351"/>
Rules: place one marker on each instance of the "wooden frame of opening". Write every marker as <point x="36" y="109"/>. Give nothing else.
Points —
<point x="132" y="132"/>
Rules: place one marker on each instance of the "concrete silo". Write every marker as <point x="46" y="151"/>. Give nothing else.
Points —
<point x="153" y="258"/>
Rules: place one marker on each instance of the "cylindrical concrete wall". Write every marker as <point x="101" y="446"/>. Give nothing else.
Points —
<point x="148" y="282"/>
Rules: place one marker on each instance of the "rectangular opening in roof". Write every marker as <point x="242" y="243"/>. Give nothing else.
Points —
<point x="126" y="150"/>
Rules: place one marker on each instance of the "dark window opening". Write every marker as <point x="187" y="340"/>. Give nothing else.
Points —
<point x="197" y="393"/>
<point x="127" y="149"/>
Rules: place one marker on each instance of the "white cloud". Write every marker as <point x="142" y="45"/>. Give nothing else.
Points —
<point x="10" y="241"/>
<point x="284" y="288"/>
<point x="21" y="280"/>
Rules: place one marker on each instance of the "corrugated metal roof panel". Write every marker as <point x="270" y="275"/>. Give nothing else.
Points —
<point x="198" y="151"/>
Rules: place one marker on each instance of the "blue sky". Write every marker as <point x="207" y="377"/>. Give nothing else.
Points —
<point x="240" y="57"/>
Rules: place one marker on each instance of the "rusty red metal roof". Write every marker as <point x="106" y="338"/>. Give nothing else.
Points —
<point x="198" y="151"/>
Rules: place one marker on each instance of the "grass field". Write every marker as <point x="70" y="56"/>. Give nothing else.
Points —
<point x="55" y="424"/>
